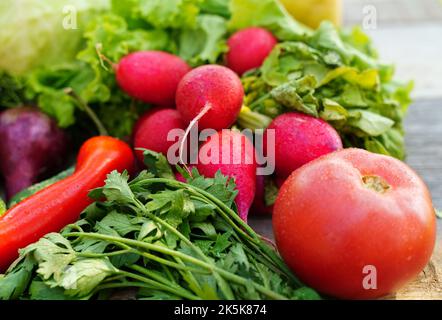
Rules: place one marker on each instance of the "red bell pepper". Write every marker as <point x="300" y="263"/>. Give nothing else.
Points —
<point x="60" y="204"/>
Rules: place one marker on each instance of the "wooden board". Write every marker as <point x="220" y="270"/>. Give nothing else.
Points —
<point x="424" y="146"/>
<point x="428" y="286"/>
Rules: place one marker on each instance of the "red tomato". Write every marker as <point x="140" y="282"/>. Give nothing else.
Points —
<point x="354" y="224"/>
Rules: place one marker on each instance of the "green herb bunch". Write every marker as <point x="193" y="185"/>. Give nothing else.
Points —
<point x="163" y="238"/>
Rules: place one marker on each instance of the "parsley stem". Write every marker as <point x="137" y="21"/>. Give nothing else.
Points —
<point x="155" y="284"/>
<point x="228" y="214"/>
<point x="127" y="284"/>
<point x="235" y="226"/>
<point x="161" y="279"/>
<point x="209" y="197"/>
<point x="160" y="260"/>
<point x="224" y="287"/>
<point x="213" y="268"/>
<point x="167" y="272"/>
<point x="149" y="284"/>
<point x="190" y="279"/>
<point x="99" y="255"/>
<point x="113" y="278"/>
<point x="151" y="274"/>
<point x="254" y="239"/>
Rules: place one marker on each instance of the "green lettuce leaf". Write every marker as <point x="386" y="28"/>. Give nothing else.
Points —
<point x="269" y="14"/>
<point x="46" y="85"/>
<point x="170" y="13"/>
<point x="206" y="42"/>
<point x="371" y="123"/>
<point x="326" y="73"/>
<point x="115" y="39"/>
<point x="12" y="90"/>
<point x="298" y="95"/>
<point x="216" y="7"/>
<point x="34" y="33"/>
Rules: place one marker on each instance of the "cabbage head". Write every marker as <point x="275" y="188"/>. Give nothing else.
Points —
<point x="39" y="33"/>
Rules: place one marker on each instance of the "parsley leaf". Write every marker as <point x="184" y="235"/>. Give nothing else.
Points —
<point x="159" y="237"/>
<point x="84" y="275"/>
<point x="158" y="164"/>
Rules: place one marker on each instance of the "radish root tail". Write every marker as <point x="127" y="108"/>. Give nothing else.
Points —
<point x="103" y="58"/>
<point x="192" y="123"/>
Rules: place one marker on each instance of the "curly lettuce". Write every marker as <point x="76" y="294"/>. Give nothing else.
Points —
<point x="327" y="73"/>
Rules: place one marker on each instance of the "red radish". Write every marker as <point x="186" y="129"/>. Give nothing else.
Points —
<point x="152" y="128"/>
<point x="141" y="120"/>
<point x="234" y="155"/>
<point x="279" y="181"/>
<point x="179" y="177"/>
<point x="259" y="206"/>
<point x="248" y="48"/>
<point x="151" y="76"/>
<point x="299" y="139"/>
<point x="211" y="95"/>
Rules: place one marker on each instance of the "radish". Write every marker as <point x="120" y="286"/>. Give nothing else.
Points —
<point x="299" y="139"/>
<point x="179" y="177"/>
<point x="151" y="76"/>
<point x="234" y="155"/>
<point x="279" y="181"/>
<point x="248" y="48"/>
<point x="259" y="206"/>
<point x="151" y="130"/>
<point x="211" y="95"/>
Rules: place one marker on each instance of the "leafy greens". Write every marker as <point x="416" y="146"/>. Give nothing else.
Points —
<point x="327" y="73"/>
<point x="165" y="238"/>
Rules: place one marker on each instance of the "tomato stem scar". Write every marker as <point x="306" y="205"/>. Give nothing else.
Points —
<point x="376" y="183"/>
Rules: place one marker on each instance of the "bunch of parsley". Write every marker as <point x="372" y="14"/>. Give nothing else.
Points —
<point x="164" y="238"/>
